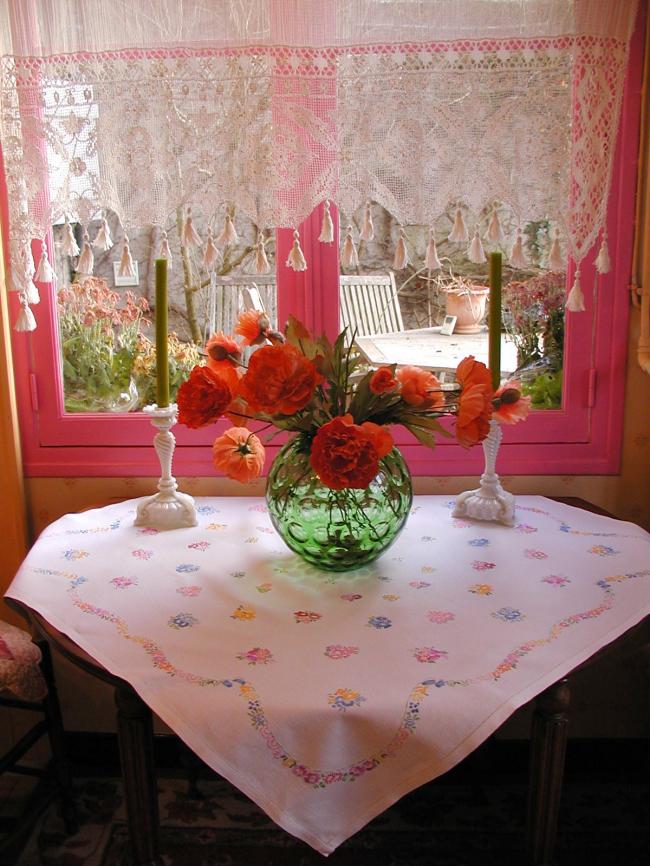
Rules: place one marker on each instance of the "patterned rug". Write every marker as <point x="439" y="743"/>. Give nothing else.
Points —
<point x="438" y="825"/>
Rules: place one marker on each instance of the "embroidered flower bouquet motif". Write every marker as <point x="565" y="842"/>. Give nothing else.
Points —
<point x="338" y="492"/>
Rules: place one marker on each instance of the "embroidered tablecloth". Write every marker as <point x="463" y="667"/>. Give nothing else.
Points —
<point x="325" y="697"/>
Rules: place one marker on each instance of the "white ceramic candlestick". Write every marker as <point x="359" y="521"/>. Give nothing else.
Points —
<point x="167" y="509"/>
<point x="490" y="501"/>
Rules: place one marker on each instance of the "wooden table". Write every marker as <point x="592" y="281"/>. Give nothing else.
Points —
<point x="431" y="350"/>
<point x="135" y="734"/>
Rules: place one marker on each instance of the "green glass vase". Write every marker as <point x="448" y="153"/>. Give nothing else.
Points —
<point x="336" y="530"/>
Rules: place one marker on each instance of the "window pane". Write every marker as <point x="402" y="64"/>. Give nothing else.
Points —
<point x="533" y="301"/>
<point x="106" y="320"/>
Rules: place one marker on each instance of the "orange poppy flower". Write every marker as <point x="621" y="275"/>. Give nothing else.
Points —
<point x="473" y="372"/>
<point x="382" y="380"/>
<point x="379" y="436"/>
<point x="510" y="406"/>
<point x="474" y="413"/>
<point x="228" y="371"/>
<point x="222" y="347"/>
<point x="239" y="454"/>
<point x="203" y="397"/>
<point x="280" y="380"/>
<point x="420" y="388"/>
<point x="343" y="454"/>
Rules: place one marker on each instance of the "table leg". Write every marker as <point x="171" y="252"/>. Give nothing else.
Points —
<point x="548" y="747"/>
<point x="135" y="731"/>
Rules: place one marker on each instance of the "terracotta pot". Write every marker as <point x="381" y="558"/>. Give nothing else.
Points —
<point x="468" y="305"/>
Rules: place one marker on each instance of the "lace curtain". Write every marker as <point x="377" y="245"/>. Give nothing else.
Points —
<point x="268" y="108"/>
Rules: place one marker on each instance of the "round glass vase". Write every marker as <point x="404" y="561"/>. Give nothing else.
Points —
<point x="336" y="530"/>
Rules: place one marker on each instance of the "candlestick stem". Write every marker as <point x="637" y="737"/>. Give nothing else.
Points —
<point x="489" y="501"/>
<point x="167" y="509"/>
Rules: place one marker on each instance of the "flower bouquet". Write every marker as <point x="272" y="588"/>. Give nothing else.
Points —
<point x="339" y="491"/>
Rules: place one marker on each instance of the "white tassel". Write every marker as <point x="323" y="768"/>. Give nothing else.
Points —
<point x="431" y="260"/>
<point x="517" y="257"/>
<point x="476" y="253"/>
<point x="31" y="293"/>
<point x="555" y="262"/>
<point x="349" y="255"/>
<point x="25" y="320"/>
<point x="228" y="234"/>
<point x="189" y="235"/>
<point x="44" y="273"/>
<point x="367" y="232"/>
<point x="86" y="261"/>
<point x="211" y="254"/>
<point x="401" y="257"/>
<point x="458" y="233"/>
<point x="494" y="233"/>
<point x="296" y="260"/>
<point x="576" y="302"/>
<point x="69" y="247"/>
<point x="103" y="240"/>
<point x="603" y="265"/>
<point x="126" y="268"/>
<point x="262" y="265"/>
<point x="164" y="252"/>
<point x="326" y="235"/>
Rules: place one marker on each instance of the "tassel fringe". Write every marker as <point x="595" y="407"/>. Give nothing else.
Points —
<point x="44" y="273"/>
<point x="494" y="233"/>
<point x="367" y="232"/>
<point x="431" y="260"/>
<point x="211" y="254"/>
<point x="126" y="268"/>
<point x="575" y="303"/>
<point x="189" y="236"/>
<point x="326" y="235"/>
<point x="86" y="261"/>
<point x="31" y="294"/>
<point x="476" y="253"/>
<point x="296" y="260"/>
<point x="517" y="257"/>
<point x="69" y="247"/>
<point x="555" y="262"/>
<point x="25" y="321"/>
<point x="103" y="240"/>
<point x="349" y="254"/>
<point x="603" y="264"/>
<point x="262" y="265"/>
<point x="401" y="258"/>
<point x="228" y="234"/>
<point x="164" y="252"/>
<point x="458" y="233"/>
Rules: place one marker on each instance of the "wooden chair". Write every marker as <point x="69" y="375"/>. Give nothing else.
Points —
<point x="229" y="296"/>
<point x="370" y="304"/>
<point x="27" y="684"/>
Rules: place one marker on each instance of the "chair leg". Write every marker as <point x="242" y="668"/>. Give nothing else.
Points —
<point x="61" y="765"/>
<point x="548" y="747"/>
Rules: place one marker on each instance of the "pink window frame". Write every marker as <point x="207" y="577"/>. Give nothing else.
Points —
<point x="577" y="439"/>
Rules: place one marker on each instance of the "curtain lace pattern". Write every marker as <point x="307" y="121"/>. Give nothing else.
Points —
<point x="497" y="114"/>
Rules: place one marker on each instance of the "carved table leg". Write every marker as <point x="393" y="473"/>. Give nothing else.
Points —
<point x="548" y="747"/>
<point x="135" y="730"/>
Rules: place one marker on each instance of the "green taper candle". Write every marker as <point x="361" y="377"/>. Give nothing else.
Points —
<point x="494" y="320"/>
<point x="162" y="351"/>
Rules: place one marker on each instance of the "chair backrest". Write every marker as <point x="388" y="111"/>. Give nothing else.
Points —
<point x="227" y="297"/>
<point x="370" y="305"/>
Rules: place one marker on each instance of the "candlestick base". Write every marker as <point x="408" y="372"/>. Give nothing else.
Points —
<point x="489" y="501"/>
<point x="167" y="509"/>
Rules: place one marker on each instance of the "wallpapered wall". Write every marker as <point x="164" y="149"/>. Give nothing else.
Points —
<point x="605" y="696"/>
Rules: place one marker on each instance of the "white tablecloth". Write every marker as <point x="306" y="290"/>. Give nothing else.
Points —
<point x="325" y="697"/>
